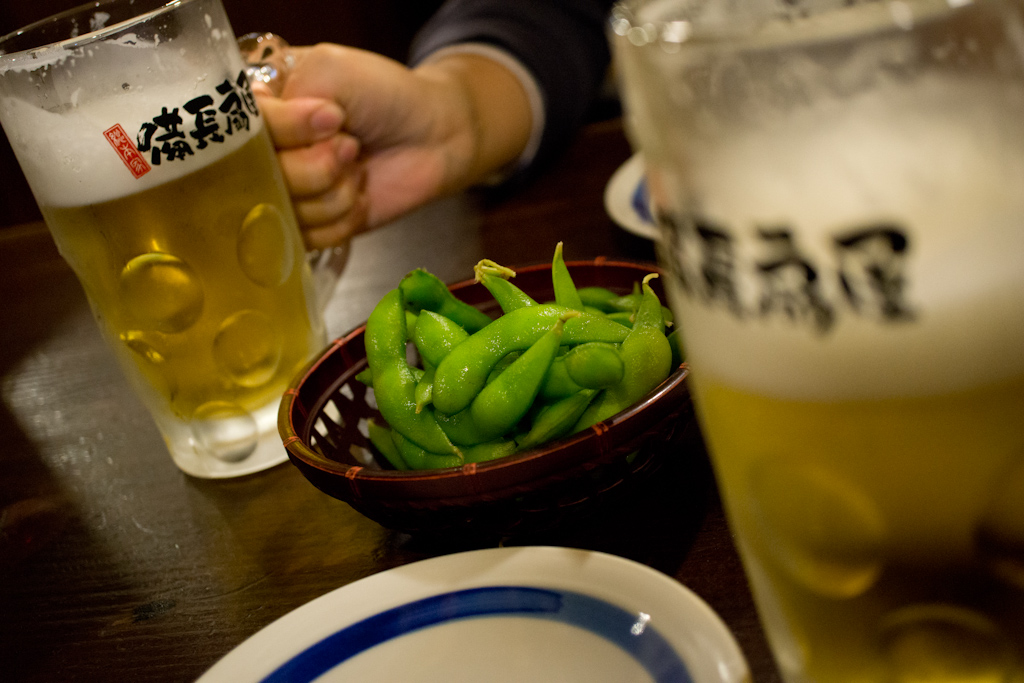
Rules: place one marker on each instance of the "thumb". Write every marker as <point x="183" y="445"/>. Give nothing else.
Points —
<point x="301" y="121"/>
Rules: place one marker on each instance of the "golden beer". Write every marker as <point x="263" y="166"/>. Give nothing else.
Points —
<point x="844" y="236"/>
<point x="202" y="286"/>
<point x="886" y="536"/>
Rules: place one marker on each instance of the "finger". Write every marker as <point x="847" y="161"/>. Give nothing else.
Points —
<point x="333" y="204"/>
<point x="374" y="91"/>
<point x="301" y="121"/>
<point x="313" y="170"/>
<point x="260" y="90"/>
<point x="337" y="232"/>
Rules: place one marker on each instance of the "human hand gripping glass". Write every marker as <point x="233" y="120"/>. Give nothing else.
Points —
<point x="364" y="139"/>
<point x="269" y="60"/>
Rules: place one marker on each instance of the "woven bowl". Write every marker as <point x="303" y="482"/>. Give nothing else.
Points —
<point x="324" y="412"/>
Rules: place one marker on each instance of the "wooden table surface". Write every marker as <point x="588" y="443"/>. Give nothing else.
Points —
<point x="116" y="566"/>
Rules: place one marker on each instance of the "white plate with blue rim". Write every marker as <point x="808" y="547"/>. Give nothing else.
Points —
<point x="502" y="614"/>
<point x="627" y="200"/>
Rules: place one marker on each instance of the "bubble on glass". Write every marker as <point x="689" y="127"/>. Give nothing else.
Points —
<point x="823" y="531"/>
<point x="935" y="643"/>
<point x="161" y="292"/>
<point x="247" y="348"/>
<point x="266" y="253"/>
<point x="999" y="536"/>
<point x="145" y="345"/>
<point x="225" y="431"/>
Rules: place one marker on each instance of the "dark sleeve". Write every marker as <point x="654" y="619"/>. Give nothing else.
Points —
<point x="562" y="43"/>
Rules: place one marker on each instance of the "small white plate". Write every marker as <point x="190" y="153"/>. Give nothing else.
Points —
<point x="503" y="614"/>
<point x="627" y="201"/>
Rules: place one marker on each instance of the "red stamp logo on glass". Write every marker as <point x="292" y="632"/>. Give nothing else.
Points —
<point x="125" y="149"/>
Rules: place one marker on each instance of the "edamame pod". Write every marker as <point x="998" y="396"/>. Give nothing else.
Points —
<point x="621" y="317"/>
<point x="597" y="297"/>
<point x="557" y="383"/>
<point x="496" y="279"/>
<point x="595" y="365"/>
<point x="463" y="372"/>
<point x="410" y="324"/>
<point x="366" y="375"/>
<point x="565" y="290"/>
<point x="501" y="366"/>
<point x="436" y="336"/>
<point x="393" y="380"/>
<point x="414" y="457"/>
<point x="461" y="428"/>
<point x="418" y="458"/>
<point x="503" y="402"/>
<point x="647" y="358"/>
<point x="631" y="302"/>
<point x="557" y="419"/>
<point x="424" y="390"/>
<point x="426" y="292"/>
<point x="492" y="450"/>
<point x="381" y="438"/>
<point x="675" y="342"/>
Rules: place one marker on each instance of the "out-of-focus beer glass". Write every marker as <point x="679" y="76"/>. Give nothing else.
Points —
<point x="136" y="127"/>
<point x="840" y="190"/>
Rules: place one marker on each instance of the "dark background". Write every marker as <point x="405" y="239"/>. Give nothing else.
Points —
<point x="384" y="26"/>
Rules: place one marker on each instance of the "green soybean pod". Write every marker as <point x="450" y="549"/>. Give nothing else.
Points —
<point x="631" y="302"/>
<point x="565" y="289"/>
<point x="365" y="376"/>
<point x="557" y="383"/>
<point x="557" y="419"/>
<point x="382" y="440"/>
<point x="628" y="302"/>
<point x="394" y="382"/>
<point x="622" y="317"/>
<point x="464" y="371"/>
<point x="502" y="366"/>
<point x="501" y="404"/>
<point x="495" y="278"/>
<point x="461" y="429"/>
<point x="418" y="458"/>
<point x="426" y="292"/>
<point x="647" y="358"/>
<point x="410" y="324"/>
<point x="424" y="390"/>
<point x="590" y="327"/>
<point x="595" y="365"/>
<point x="675" y="342"/>
<point x="436" y="335"/>
<point x="491" y="450"/>
<point x="597" y="297"/>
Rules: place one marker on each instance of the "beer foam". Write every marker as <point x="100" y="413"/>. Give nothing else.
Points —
<point x="901" y="156"/>
<point x="68" y="161"/>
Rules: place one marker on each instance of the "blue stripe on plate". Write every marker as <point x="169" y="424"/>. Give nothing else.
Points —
<point x="620" y="627"/>
<point x="641" y="201"/>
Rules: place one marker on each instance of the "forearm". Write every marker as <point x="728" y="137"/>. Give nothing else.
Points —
<point x="497" y="115"/>
<point x="561" y="44"/>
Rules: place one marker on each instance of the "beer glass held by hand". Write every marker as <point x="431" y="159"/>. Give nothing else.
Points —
<point x="136" y="127"/>
<point x="838" y="191"/>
